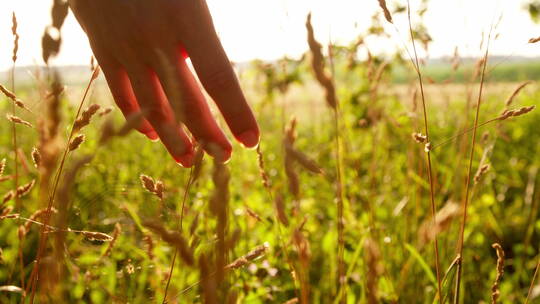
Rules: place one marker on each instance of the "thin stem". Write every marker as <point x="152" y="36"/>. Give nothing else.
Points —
<point x="469" y="174"/>
<point x="532" y="282"/>
<point x="186" y="192"/>
<point x="430" y="170"/>
<point x="43" y="235"/>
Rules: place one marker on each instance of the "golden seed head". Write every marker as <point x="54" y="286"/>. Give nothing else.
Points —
<point x="76" y="142"/>
<point x="36" y="157"/>
<point x="2" y="166"/>
<point x="419" y="138"/>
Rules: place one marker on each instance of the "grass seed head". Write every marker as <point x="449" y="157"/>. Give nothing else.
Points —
<point x="25" y="189"/>
<point x="76" y="142"/>
<point x="480" y="173"/>
<point x="18" y="120"/>
<point x="8" y="196"/>
<point x="2" y="166"/>
<point x="516" y="92"/>
<point x="387" y="15"/>
<point x="85" y="117"/>
<point x="495" y="292"/>
<point x="36" y="157"/>
<point x="419" y="138"/>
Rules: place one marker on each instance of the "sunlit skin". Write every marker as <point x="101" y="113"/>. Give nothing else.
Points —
<point x="141" y="47"/>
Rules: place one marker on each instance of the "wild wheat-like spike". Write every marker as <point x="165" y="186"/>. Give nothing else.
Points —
<point x="250" y="256"/>
<point x="149" y="244"/>
<point x="516" y="92"/>
<point x="148" y="183"/>
<point x="18" y="120"/>
<point x="173" y="238"/>
<point x="318" y="65"/>
<point x="95" y="74"/>
<point x="13" y="98"/>
<point x="96" y="236"/>
<point x="419" y="138"/>
<point x="76" y="142"/>
<point x="305" y="161"/>
<point x="5" y="211"/>
<point x="8" y="196"/>
<point x="253" y="214"/>
<point x="262" y="171"/>
<point x="116" y="232"/>
<point x="85" y="117"/>
<point x="428" y="147"/>
<point x="495" y="292"/>
<point x="515" y="113"/>
<point x="280" y="208"/>
<point x="36" y="157"/>
<point x="15" y="36"/>
<point x="25" y="189"/>
<point x="480" y="173"/>
<point x="387" y="15"/>
<point x="105" y="111"/>
<point x="2" y="166"/>
<point x="159" y="189"/>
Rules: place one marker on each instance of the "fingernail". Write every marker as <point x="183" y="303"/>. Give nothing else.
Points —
<point x="152" y="135"/>
<point x="185" y="160"/>
<point x="249" y="139"/>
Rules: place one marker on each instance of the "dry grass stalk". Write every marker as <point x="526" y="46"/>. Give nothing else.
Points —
<point x="219" y="208"/>
<point x="318" y="65"/>
<point x="375" y="269"/>
<point x="2" y="166"/>
<point x="419" y="138"/>
<point x="495" y="292"/>
<point x="480" y="173"/>
<point x="173" y="238"/>
<point x="280" y="208"/>
<point x="36" y="157"/>
<point x="292" y="175"/>
<point x="443" y="219"/>
<point x="18" y="120"/>
<point x="208" y="281"/>
<point x="25" y="189"/>
<point x="76" y="142"/>
<point x="116" y="232"/>
<point x="304" y="256"/>
<point x="149" y="246"/>
<point x="516" y="92"/>
<point x="387" y="15"/>
<point x="85" y="117"/>
<point x="244" y="260"/>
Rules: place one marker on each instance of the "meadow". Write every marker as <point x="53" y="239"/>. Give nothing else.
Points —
<point x="336" y="204"/>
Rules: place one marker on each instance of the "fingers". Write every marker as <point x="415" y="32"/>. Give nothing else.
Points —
<point x="153" y="101"/>
<point x="121" y="90"/>
<point x="218" y="78"/>
<point x="190" y="106"/>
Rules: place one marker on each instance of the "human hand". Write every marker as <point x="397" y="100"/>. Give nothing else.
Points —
<point x="141" y="46"/>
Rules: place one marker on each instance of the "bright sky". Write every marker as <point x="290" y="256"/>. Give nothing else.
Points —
<point x="269" y="29"/>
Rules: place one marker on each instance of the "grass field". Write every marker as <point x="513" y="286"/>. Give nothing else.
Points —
<point x="264" y="228"/>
